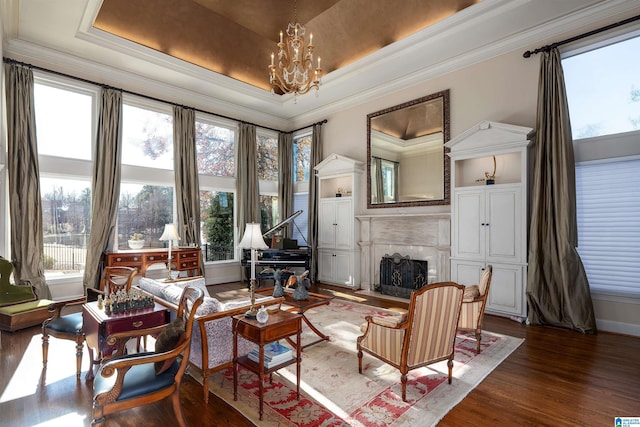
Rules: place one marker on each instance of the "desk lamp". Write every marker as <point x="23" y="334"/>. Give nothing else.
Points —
<point x="170" y="233"/>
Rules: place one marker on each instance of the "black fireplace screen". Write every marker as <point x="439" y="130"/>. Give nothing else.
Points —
<point x="400" y="275"/>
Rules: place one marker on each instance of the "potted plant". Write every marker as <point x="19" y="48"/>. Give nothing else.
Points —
<point x="136" y="241"/>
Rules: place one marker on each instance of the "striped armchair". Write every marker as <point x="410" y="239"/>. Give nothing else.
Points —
<point x="473" y="303"/>
<point x="427" y="334"/>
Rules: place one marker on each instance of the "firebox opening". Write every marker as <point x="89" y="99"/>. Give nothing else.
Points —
<point x="400" y="275"/>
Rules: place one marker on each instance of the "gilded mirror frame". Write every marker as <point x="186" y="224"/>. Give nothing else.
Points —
<point x="446" y="131"/>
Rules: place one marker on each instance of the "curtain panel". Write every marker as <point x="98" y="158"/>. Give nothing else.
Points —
<point x="247" y="191"/>
<point x="557" y="290"/>
<point x="316" y="158"/>
<point x="285" y="178"/>
<point x="105" y="183"/>
<point x="185" y="164"/>
<point x="25" y="204"/>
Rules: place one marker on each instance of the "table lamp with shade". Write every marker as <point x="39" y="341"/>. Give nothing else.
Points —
<point x="253" y="240"/>
<point x="170" y="233"/>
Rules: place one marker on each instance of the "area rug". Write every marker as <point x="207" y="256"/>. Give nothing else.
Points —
<point x="333" y="393"/>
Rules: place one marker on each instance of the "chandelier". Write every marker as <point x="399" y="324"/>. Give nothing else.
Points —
<point x="293" y="71"/>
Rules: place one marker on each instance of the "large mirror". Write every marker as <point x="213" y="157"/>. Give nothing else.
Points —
<point x="407" y="163"/>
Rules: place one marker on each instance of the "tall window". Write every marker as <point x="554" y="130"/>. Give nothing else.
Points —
<point x="268" y="176"/>
<point x="603" y="89"/>
<point x="215" y="141"/>
<point x="146" y="192"/>
<point x="65" y="127"/>
<point x="301" y="174"/>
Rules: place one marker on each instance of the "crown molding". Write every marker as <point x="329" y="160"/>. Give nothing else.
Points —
<point x="108" y="75"/>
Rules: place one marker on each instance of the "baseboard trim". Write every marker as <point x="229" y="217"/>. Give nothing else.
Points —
<point x="618" y="327"/>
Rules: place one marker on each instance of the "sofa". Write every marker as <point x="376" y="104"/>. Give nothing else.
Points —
<point x="212" y="337"/>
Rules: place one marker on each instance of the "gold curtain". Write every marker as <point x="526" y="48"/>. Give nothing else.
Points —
<point x="558" y="290"/>
<point x="285" y="178"/>
<point x="316" y="157"/>
<point x="105" y="183"/>
<point x="25" y="205"/>
<point x="247" y="191"/>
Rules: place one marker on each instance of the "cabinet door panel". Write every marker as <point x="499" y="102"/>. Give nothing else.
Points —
<point x="503" y="229"/>
<point x="325" y="266"/>
<point x="344" y="268"/>
<point x="469" y="234"/>
<point x="466" y="272"/>
<point x="506" y="291"/>
<point x="327" y="224"/>
<point x="344" y="229"/>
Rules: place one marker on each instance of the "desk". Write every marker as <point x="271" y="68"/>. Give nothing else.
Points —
<point x="280" y="324"/>
<point x="183" y="259"/>
<point x="98" y="326"/>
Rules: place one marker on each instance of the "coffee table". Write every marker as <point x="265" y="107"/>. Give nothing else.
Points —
<point x="300" y="307"/>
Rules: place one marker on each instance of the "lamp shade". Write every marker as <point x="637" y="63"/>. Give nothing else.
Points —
<point x="252" y="238"/>
<point x="170" y="233"/>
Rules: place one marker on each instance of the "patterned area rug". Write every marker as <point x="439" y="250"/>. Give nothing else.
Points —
<point x="333" y="393"/>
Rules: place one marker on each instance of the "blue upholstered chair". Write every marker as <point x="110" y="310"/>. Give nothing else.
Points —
<point x="127" y="381"/>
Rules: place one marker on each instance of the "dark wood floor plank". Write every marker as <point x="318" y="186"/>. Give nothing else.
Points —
<point x="555" y="378"/>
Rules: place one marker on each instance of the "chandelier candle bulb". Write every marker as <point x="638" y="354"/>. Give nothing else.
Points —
<point x="311" y="39"/>
<point x="272" y="55"/>
<point x="280" y="36"/>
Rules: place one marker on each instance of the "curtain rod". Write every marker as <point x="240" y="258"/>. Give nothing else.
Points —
<point x="548" y="47"/>
<point x="58" y="73"/>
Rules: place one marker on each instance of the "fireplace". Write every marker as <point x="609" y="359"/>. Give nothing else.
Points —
<point x="420" y="236"/>
<point x="400" y="275"/>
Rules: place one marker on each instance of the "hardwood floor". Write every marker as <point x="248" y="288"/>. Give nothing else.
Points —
<point x="555" y="378"/>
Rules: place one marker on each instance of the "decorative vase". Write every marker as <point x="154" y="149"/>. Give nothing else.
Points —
<point x="136" y="244"/>
<point x="263" y="315"/>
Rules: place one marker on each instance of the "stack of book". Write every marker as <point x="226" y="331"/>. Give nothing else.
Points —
<point x="274" y="354"/>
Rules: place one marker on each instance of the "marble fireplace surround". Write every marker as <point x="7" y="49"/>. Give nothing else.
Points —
<point x="420" y="236"/>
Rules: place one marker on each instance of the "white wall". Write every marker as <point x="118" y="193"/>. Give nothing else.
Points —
<point x="502" y="89"/>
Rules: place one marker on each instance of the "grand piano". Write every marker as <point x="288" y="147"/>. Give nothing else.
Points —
<point x="282" y="254"/>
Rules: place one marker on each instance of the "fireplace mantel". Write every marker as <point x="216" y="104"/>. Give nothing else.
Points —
<point x="422" y="236"/>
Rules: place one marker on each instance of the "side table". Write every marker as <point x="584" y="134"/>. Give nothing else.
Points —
<point x="98" y="326"/>
<point x="280" y="325"/>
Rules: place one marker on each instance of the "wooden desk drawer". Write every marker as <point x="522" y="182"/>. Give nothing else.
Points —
<point x="159" y="257"/>
<point x="125" y="260"/>
<point x="126" y="324"/>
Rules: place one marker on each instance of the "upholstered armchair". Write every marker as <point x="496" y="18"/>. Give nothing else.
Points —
<point x="127" y="381"/>
<point x="473" y="303"/>
<point x="426" y="335"/>
<point x="12" y="294"/>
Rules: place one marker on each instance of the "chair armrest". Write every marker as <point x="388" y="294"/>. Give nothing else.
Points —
<point x="119" y="339"/>
<point x="127" y="361"/>
<point x="399" y="322"/>
<point x="57" y="307"/>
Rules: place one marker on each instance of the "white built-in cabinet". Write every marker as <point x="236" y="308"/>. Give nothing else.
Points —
<point x="339" y="180"/>
<point x="489" y="222"/>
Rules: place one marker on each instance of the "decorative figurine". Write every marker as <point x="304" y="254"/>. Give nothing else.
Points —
<point x="302" y="283"/>
<point x="263" y="315"/>
<point x="278" y="290"/>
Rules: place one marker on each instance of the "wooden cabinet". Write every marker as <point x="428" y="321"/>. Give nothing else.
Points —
<point x="489" y="222"/>
<point x="339" y="180"/>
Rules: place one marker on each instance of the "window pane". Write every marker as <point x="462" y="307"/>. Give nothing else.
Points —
<point x="66" y="223"/>
<point x="147" y="138"/>
<point x="268" y="212"/>
<point x="607" y="201"/>
<point x="216" y="209"/>
<point x="215" y="145"/>
<point x="63" y="122"/>
<point x="301" y="158"/>
<point x="300" y="233"/>
<point x="267" y="157"/>
<point x="144" y="209"/>
<point x="603" y="89"/>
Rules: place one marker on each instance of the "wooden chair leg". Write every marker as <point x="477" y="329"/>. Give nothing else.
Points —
<point x="45" y="349"/>
<point x="79" y="344"/>
<point x="205" y="387"/>
<point x="177" y="409"/>
<point x="403" y="380"/>
<point x="359" y="361"/>
<point x="450" y="366"/>
<point x="478" y="339"/>
<point x="98" y="416"/>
